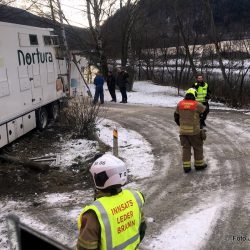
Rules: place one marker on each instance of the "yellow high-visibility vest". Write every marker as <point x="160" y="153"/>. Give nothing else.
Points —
<point x="120" y="218"/>
<point x="201" y="92"/>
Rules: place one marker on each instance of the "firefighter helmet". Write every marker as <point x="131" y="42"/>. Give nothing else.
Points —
<point x="192" y="91"/>
<point x="108" y="171"/>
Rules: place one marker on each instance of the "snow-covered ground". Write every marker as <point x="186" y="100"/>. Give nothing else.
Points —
<point x="134" y="149"/>
<point x="75" y="150"/>
<point x="190" y="230"/>
<point x="56" y="214"/>
<point x="148" y="93"/>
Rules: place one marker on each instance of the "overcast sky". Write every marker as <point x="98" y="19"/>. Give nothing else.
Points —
<point x="72" y="9"/>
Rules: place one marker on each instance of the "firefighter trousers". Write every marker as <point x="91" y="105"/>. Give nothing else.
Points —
<point x="188" y="142"/>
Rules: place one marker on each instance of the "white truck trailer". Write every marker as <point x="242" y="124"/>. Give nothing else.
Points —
<point x="30" y="89"/>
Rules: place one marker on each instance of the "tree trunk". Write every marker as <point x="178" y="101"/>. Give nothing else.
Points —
<point x="215" y="39"/>
<point x="186" y="45"/>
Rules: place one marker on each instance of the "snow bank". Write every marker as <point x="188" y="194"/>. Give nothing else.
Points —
<point x="133" y="148"/>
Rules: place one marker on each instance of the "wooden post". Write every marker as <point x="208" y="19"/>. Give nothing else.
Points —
<point x="115" y="142"/>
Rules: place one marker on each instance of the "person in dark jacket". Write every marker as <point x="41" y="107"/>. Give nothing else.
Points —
<point x="99" y="82"/>
<point x="111" y="86"/>
<point x="122" y="81"/>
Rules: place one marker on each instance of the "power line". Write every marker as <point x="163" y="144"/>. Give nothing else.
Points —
<point x="83" y="26"/>
<point x="68" y="6"/>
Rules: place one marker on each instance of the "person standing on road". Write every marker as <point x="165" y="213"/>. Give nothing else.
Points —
<point x="111" y="82"/>
<point x="115" y="219"/>
<point x="191" y="136"/>
<point x="98" y="82"/>
<point x="122" y="81"/>
<point x="203" y="95"/>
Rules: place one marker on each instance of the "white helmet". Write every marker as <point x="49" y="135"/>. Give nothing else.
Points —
<point x="108" y="171"/>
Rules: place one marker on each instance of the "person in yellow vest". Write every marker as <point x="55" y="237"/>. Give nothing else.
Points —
<point x="115" y="219"/>
<point x="191" y="136"/>
<point x="203" y="95"/>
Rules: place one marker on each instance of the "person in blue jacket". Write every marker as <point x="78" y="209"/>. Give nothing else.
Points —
<point x="99" y="82"/>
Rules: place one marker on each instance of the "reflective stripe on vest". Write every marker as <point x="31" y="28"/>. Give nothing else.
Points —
<point x="201" y="92"/>
<point x="129" y="237"/>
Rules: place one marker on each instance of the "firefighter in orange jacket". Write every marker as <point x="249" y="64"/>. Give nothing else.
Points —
<point x="187" y="116"/>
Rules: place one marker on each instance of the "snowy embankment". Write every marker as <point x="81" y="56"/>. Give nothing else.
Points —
<point x="133" y="148"/>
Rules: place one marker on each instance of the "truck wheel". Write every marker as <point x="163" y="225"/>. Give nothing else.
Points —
<point x="55" y="111"/>
<point x="42" y="119"/>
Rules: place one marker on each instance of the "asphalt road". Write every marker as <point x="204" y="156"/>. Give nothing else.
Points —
<point x="170" y="193"/>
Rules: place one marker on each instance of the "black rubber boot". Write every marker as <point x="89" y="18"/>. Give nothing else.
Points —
<point x="199" y="168"/>
<point x="187" y="170"/>
<point x="203" y="124"/>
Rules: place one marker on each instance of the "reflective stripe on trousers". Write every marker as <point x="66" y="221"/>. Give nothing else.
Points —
<point x="107" y="225"/>
<point x="199" y="163"/>
<point x="187" y="164"/>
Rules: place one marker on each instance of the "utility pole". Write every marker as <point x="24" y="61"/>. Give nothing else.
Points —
<point x="52" y="11"/>
<point x="65" y="44"/>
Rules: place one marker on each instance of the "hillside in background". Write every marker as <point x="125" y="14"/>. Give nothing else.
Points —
<point x="156" y="23"/>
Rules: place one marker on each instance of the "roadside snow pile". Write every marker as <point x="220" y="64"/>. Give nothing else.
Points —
<point x="133" y="148"/>
<point x="75" y="150"/>
<point x="189" y="231"/>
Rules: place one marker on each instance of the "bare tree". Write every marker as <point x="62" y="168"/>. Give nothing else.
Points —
<point x="97" y="12"/>
<point x="215" y="39"/>
<point x="184" y="38"/>
<point x="129" y="14"/>
<point x="6" y="2"/>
